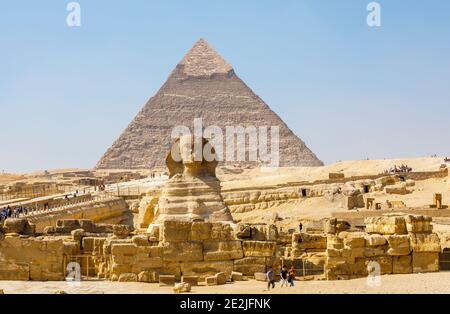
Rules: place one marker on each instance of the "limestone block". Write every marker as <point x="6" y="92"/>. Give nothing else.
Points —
<point x="128" y="277"/>
<point x="386" y="225"/>
<point x="12" y="271"/>
<point x="123" y="249"/>
<point x="221" y="278"/>
<point x="221" y="231"/>
<point x="334" y="226"/>
<point x="244" y="231"/>
<point x="153" y="233"/>
<point x="121" y="231"/>
<point x="144" y="263"/>
<point x="148" y="276"/>
<point x="222" y="250"/>
<point x="375" y="240"/>
<point x="425" y="262"/>
<point x="200" y="231"/>
<point x="192" y="280"/>
<point x="258" y="248"/>
<point x="182" y="287"/>
<point x="353" y="239"/>
<point x="141" y="240"/>
<point x="418" y="224"/>
<point x="171" y="268"/>
<point x="150" y="251"/>
<point x="385" y="263"/>
<point x="211" y="281"/>
<point x="354" y="201"/>
<point x="17" y="225"/>
<point x="176" y="231"/>
<point x="374" y="251"/>
<point x="71" y="248"/>
<point x="118" y="269"/>
<point x="402" y="265"/>
<point x="397" y="189"/>
<point x="303" y="241"/>
<point x="236" y="276"/>
<point x="87" y="225"/>
<point x="183" y="251"/>
<point x="425" y="242"/>
<point x="260" y="276"/>
<point x="88" y="244"/>
<point x="205" y="269"/>
<point x="250" y="265"/>
<point x="77" y="234"/>
<point x="166" y="280"/>
<point x="67" y="225"/>
<point x="398" y="245"/>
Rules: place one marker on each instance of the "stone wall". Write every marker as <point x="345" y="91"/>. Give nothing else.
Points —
<point x="395" y="244"/>
<point x="107" y="211"/>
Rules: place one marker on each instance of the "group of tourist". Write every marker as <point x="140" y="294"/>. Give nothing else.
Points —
<point x="8" y="212"/>
<point x="287" y="277"/>
<point x="401" y="169"/>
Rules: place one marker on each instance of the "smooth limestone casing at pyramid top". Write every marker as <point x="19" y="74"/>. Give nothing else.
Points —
<point x="203" y="86"/>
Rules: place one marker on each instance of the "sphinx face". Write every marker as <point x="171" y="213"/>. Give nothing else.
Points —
<point x="191" y="152"/>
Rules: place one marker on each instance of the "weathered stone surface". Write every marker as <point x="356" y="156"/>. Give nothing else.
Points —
<point x="148" y="276"/>
<point x="183" y="251"/>
<point x="304" y="241"/>
<point x="121" y="231"/>
<point x="176" y="231"/>
<point x="258" y="248"/>
<point x="222" y="250"/>
<point x="398" y="245"/>
<point x="221" y="278"/>
<point x="425" y="243"/>
<point x="211" y="281"/>
<point x="386" y="225"/>
<point x="204" y="269"/>
<point x="353" y="240"/>
<point x="236" y="276"/>
<point x="77" y="234"/>
<point x="375" y="240"/>
<point x="385" y="263"/>
<point x="425" y="262"/>
<point x="418" y="224"/>
<point x="402" y="265"/>
<point x="192" y="280"/>
<point x="250" y="265"/>
<point x="166" y="280"/>
<point x="182" y="287"/>
<point x="200" y="231"/>
<point x="128" y="277"/>
<point x="141" y="240"/>
<point x="18" y="225"/>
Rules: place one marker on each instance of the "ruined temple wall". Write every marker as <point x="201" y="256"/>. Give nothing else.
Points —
<point x="390" y="245"/>
<point x="31" y="258"/>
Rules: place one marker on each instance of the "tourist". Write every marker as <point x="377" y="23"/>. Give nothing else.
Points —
<point x="284" y="276"/>
<point x="8" y="212"/>
<point x="291" y="276"/>
<point x="300" y="227"/>
<point x="270" y="279"/>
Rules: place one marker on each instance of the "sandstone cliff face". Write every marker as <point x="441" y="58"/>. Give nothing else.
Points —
<point x="203" y="86"/>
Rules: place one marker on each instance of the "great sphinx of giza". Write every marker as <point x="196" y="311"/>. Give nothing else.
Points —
<point x="193" y="190"/>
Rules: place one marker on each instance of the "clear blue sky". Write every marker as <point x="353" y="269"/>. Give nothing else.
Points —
<point x="349" y="91"/>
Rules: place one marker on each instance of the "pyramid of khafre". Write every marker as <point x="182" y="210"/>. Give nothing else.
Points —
<point x="203" y="86"/>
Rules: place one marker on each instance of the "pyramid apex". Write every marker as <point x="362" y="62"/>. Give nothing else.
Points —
<point x="203" y="60"/>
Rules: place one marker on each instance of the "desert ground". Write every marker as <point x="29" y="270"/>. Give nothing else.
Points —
<point x="392" y="284"/>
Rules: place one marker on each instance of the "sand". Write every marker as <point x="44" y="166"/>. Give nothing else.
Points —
<point x="389" y="284"/>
